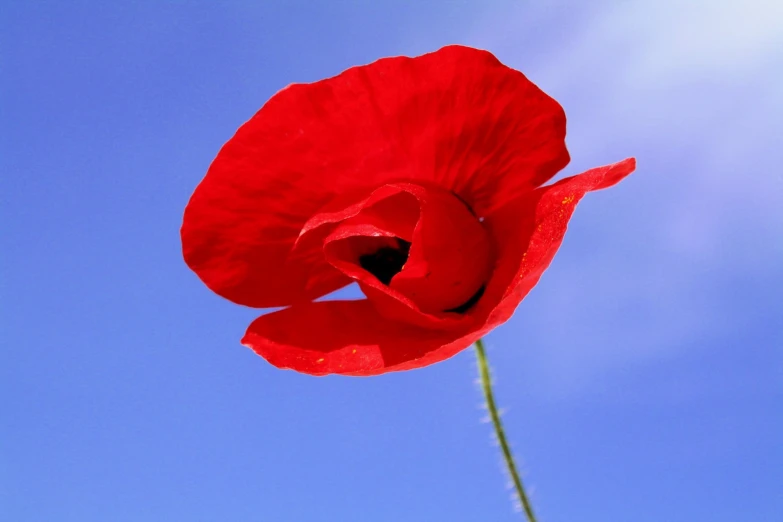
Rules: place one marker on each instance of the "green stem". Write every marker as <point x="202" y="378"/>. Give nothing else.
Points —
<point x="486" y="384"/>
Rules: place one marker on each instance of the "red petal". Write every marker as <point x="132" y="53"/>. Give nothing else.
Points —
<point x="528" y="233"/>
<point x="345" y="337"/>
<point x="457" y="118"/>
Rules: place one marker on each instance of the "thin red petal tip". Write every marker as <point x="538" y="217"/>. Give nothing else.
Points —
<point x="616" y="172"/>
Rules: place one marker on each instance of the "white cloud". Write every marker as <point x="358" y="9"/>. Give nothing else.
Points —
<point x="685" y="38"/>
<point x="658" y="39"/>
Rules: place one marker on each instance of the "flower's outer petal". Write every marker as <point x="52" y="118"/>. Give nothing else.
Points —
<point x="345" y="337"/>
<point x="528" y="232"/>
<point x="457" y="118"/>
<point x="249" y="263"/>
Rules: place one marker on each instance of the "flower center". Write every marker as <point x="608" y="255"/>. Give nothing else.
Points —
<point x="387" y="261"/>
<point x="410" y="247"/>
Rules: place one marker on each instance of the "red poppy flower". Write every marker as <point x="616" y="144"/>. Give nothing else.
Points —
<point x="419" y="178"/>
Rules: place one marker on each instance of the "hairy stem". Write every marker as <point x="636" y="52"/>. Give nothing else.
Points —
<point x="486" y="385"/>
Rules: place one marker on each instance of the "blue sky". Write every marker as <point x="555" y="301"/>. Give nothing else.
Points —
<point x="641" y="378"/>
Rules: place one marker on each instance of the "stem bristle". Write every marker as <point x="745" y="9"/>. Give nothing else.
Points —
<point x="486" y="382"/>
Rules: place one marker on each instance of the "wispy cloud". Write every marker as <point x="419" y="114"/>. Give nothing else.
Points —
<point x="693" y="90"/>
